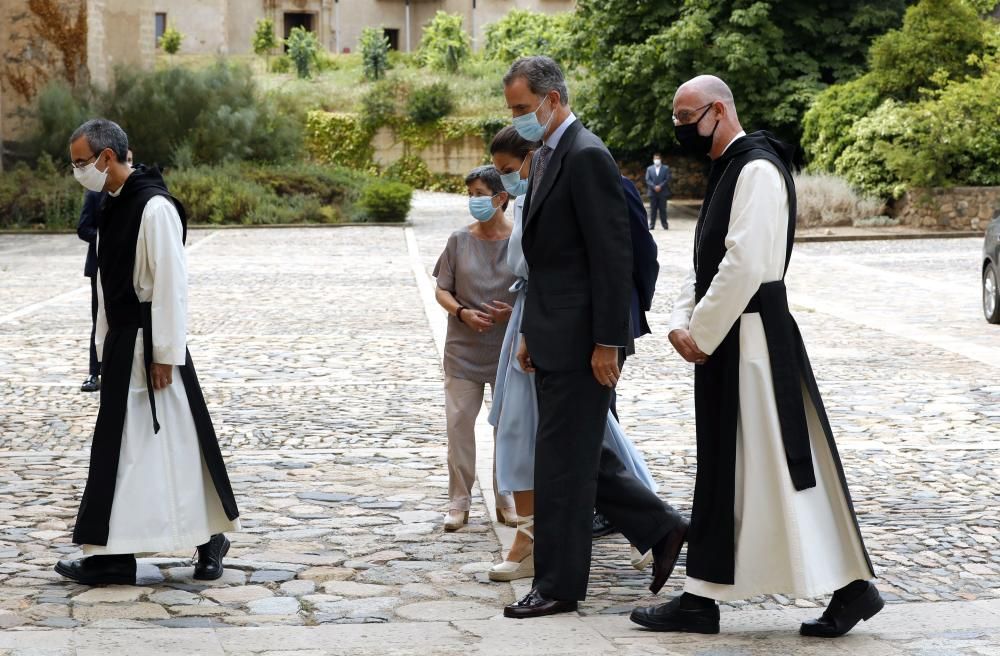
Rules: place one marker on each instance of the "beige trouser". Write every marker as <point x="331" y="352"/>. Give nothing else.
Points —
<point x="462" y="401"/>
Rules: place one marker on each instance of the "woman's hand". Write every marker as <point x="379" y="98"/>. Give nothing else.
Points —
<point x="478" y="321"/>
<point x="498" y="311"/>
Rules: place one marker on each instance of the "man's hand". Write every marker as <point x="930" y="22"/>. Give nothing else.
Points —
<point x="478" y="321"/>
<point x="686" y="346"/>
<point x="498" y="311"/>
<point x="523" y="358"/>
<point x="162" y="375"/>
<point x="604" y="362"/>
<point x="657" y="188"/>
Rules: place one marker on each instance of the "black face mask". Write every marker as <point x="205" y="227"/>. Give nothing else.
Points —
<point x="692" y="143"/>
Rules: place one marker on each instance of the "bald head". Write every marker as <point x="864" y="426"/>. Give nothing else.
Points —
<point x="707" y="103"/>
<point x="705" y="89"/>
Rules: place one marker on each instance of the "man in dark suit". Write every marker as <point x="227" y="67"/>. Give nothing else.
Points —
<point x="658" y="185"/>
<point x="86" y="229"/>
<point x="575" y="329"/>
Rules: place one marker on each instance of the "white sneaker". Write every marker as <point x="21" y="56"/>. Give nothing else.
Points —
<point x="512" y="570"/>
<point x="455" y="519"/>
<point x="640" y="561"/>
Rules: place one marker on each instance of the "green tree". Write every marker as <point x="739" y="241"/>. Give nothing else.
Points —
<point x="445" y="45"/>
<point x="170" y="40"/>
<point x="264" y="41"/>
<point x="522" y="33"/>
<point x="887" y="129"/>
<point x="936" y="38"/>
<point x="374" y="52"/>
<point x="303" y="48"/>
<point x="776" y="56"/>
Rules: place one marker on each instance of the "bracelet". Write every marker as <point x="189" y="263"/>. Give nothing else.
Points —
<point x="458" y="313"/>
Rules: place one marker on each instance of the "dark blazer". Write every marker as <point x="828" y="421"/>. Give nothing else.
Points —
<point x="652" y="179"/>
<point x="86" y="228"/>
<point x="645" y="267"/>
<point x="578" y="246"/>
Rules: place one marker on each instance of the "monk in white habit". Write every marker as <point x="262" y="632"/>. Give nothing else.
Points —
<point x="157" y="481"/>
<point x="772" y="512"/>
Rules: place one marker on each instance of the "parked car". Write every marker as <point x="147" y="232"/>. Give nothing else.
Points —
<point x="991" y="271"/>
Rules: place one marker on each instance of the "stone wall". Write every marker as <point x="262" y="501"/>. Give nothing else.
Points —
<point x="950" y="208"/>
<point x="452" y="156"/>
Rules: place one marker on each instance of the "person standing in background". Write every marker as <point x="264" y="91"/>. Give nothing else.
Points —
<point x="658" y="184"/>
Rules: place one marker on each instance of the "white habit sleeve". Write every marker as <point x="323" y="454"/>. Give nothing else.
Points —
<point x="680" y="317"/>
<point x="165" y="261"/>
<point x="758" y="203"/>
<point x="101" y="331"/>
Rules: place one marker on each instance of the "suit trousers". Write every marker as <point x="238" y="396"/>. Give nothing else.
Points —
<point x="95" y="366"/>
<point x="576" y="472"/>
<point x="463" y="400"/>
<point x="657" y="205"/>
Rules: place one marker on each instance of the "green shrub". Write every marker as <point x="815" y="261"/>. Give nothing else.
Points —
<point x="374" y="53"/>
<point x="41" y="198"/>
<point x="264" y="40"/>
<point x="445" y="45"/>
<point x="282" y="64"/>
<point x="863" y="162"/>
<point x="430" y="103"/>
<point x="936" y="38"/>
<point x="826" y="127"/>
<point x="522" y="32"/>
<point x="303" y="47"/>
<point x="217" y="111"/>
<point x="380" y="103"/>
<point x="58" y="111"/>
<point x="170" y="41"/>
<point x="341" y="139"/>
<point x="385" y="201"/>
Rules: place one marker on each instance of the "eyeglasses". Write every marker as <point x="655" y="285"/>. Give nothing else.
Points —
<point x="81" y="163"/>
<point x="687" y="114"/>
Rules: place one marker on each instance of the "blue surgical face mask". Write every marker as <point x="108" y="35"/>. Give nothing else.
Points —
<point x="514" y="184"/>
<point x="528" y="125"/>
<point x="481" y="207"/>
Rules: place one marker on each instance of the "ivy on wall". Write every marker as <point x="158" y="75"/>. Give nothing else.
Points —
<point x="346" y="139"/>
<point x="62" y="36"/>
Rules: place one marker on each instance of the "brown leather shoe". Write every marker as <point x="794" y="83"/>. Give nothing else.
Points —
<point x="535" y="604"/>
<point x="665" y="555"/>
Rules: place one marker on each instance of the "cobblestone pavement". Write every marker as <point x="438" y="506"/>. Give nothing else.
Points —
<point x="322" y="373"/>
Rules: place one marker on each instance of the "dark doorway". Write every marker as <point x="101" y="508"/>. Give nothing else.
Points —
<point x="297" y="19"/>
<point x="393" y="36"/>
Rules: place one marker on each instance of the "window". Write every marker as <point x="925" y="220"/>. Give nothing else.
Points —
<point x="297" y="19"/>
<point x="161" y="26"/>
<point x="393" y="36"/>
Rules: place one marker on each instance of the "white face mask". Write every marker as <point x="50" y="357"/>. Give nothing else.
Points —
<point x="656" y="162"/>
<point x="90" y="177"/>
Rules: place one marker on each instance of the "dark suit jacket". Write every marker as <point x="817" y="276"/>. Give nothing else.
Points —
<point x="652" y="179"/>
<point x="86" y="228"/>
<point x="578" y="246"/>
<point x="645" y="267"/>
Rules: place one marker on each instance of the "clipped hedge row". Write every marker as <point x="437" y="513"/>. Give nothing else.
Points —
<point x="235" y="193"/>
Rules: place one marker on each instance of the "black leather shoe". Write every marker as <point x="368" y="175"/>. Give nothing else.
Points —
<point x="100" y="570"/>
<point x="210" y="555"/>
<point x="92" y="384"/>
<point x="602" y="526"/>
<point x="665" y="555"/>
<point x="535" y="604"/>
<point x="840" y="616"/>
<point x="671" y="617"/>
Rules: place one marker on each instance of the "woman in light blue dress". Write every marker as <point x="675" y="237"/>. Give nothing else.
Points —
<point x="514" y="413"/>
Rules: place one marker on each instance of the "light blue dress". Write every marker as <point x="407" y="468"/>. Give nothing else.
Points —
<point x="515" y="407"/>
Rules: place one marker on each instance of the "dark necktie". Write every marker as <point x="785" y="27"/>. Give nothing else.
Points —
<point x="544" y="153"/>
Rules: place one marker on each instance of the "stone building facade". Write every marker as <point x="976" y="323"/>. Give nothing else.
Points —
<point x="227" y="26"/>
<point x="78" y="41"/>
